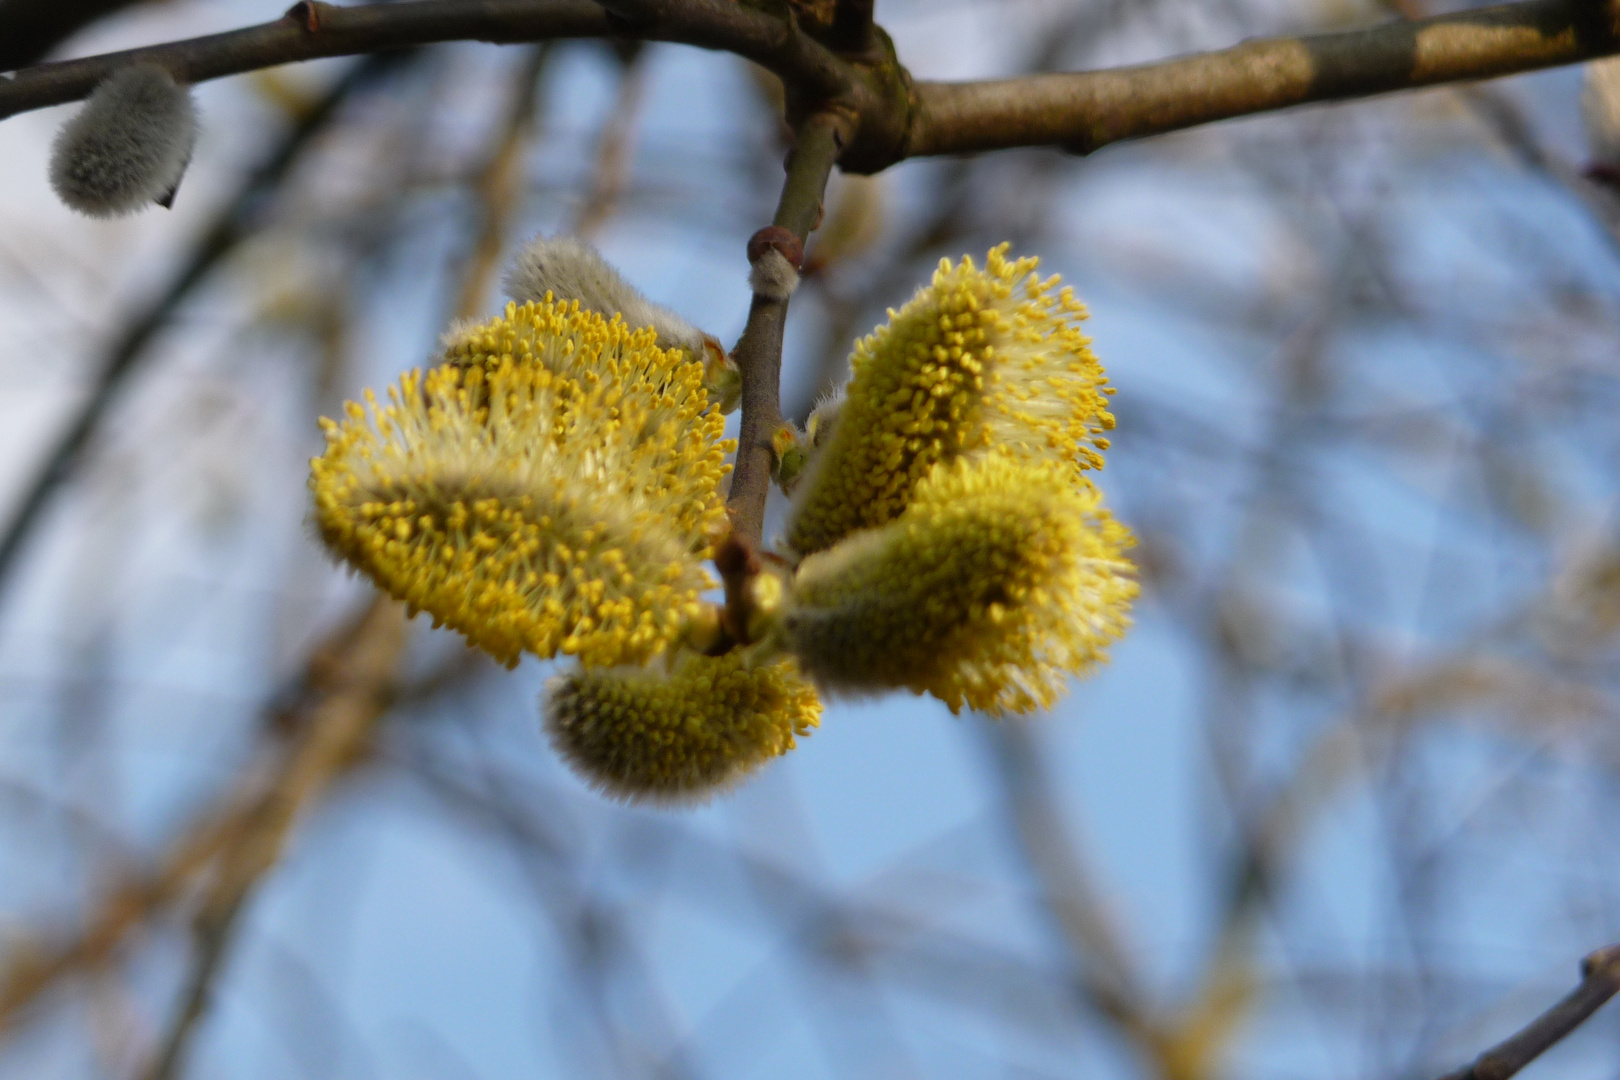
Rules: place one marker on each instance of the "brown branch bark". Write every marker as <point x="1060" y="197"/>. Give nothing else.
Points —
<point x="1600" y="980"/>
<point x="1088" y="110"/>
<point x="312" y="29"/>
<point x="758" y="354"/>
<point x="893" y="119"/>
<point x="852" y="27"/>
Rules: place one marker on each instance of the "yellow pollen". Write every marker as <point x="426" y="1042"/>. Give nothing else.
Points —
<point x="999" y="580"/>
<point x="553" y="488"/>
<point x="977" y="358"/>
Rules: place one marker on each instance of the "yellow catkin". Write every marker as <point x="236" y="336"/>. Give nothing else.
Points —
<point x="1001" y="579"/>
<point x="553" y="489"/>
<point x="978" y="357"/>
<point x="678" y="735"/>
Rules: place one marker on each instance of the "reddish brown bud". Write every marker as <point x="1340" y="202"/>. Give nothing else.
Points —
<point x="776" y="238"/>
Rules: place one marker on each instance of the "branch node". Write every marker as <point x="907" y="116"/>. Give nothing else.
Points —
<point x="310" y="14"/>
<point x="775" y="238"/>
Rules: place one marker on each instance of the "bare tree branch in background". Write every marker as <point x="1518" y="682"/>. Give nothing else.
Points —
<point x="1600" y="981"/>
<point x="235" y="223"/>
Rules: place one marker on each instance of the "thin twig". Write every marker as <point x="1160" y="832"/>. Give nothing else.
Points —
<point x="1600" y="980"/>
<point x="333" y="741"/>
<point x="613" y="151"/>
<point x="759" y="351"/>
<point x="311" y="30"/>
<point x="496" y="187"/>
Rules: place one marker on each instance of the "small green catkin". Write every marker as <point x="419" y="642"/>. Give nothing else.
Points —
<point x="682" y="734"/>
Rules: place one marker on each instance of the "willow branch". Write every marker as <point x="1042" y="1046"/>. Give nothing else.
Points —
<point x="1088" y="110"/>
<point x="1600" y="980"/>
<point x="313" y="29"/>
<point x="896" y="119"/>
<point x="852" y="27"/>
<point x="758" y="354"/>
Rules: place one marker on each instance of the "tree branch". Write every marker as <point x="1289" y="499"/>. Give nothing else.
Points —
<point x="312" y="29"/>
<point x="1600" y="980"/>
<point x="894" y="119"/>
<point x="758" y="354"/>
<point x="1088" y="110"/>
<point x="852" y="27"/>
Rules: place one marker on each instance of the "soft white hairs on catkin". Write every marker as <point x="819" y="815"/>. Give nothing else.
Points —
<point x="773" y="277"/>
<point x="128" y="146"/>
<point x="571" y="269"/>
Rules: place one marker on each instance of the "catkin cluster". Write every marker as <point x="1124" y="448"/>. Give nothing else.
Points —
<point x="978" y="358"/>
<point x="954" y="543"/>
<point x="553" y="487"/>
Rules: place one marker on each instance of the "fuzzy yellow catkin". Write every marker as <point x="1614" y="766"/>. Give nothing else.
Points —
<point x="979" y="357"/>
<point x="553" y="489"/>
<point x="1000" y="580"/>
<point x="567" y="268"/>
<point x="681" y="734"/>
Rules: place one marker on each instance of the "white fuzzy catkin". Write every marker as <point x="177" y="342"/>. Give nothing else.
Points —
<point x="571" y="269"/>
<point x="1600" y="110"/>
<point x="773" y="277"/>
<point x="128" y="146"/>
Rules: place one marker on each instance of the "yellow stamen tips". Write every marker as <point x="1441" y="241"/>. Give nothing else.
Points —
<point x="977" y="358"/>
<point x="1001" y="578"/>
<point x="553" y="489"/>
<point x="680" y="735"/>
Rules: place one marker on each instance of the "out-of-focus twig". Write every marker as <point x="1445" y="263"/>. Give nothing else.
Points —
<point x="340" y="673"/>
<point x="1108" y="977"/>
<point x="613" y="150"/>
<point x="1600" y="981"/>
<point x="233" y="225"/>
<point x="496" y="186"/>
<point x="333" y="739"/>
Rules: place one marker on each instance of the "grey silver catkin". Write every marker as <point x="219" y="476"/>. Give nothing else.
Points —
<point x="128" y="146"/>
<point x="571" y="269"/>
